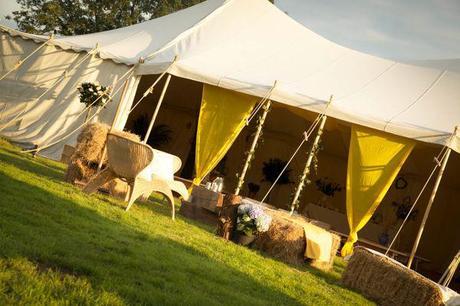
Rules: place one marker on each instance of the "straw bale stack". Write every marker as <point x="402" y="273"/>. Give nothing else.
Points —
<point x="286" y="241"/>
<point x="117" y="188"/>
<point x="283" y="241"/>
<point x="88" y="152"/>
<point x="91" y="142"/>
<point x="388" y="282"/>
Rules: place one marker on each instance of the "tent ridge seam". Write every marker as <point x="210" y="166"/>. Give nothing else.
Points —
<point x="394" y="64"/>
<point x="423" y="94"/>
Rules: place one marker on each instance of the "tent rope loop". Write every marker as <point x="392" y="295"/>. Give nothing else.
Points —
<point x="261" y="103"/>
<point x="150" y="89"/>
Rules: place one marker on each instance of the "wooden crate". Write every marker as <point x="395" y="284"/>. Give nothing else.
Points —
<point x="67" y="154"/>
<point x="191" y="211"/>
<point x="207" y="199"/>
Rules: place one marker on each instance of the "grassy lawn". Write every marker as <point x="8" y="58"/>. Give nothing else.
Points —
<point x="60" y="246"/>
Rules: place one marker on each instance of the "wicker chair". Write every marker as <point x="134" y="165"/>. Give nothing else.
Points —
<point x="128" y="159"/>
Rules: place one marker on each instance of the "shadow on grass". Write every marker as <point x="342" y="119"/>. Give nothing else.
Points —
<point x="28" y="163"/>
<point x="157" y="204"/>
<point x="140" y="267"/>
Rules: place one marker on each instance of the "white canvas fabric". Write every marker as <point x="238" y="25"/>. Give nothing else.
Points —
<point x="247" y="45"/>
<point x="49" y="109"/>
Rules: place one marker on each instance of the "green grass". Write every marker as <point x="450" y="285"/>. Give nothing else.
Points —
<point x="60" y="246"/>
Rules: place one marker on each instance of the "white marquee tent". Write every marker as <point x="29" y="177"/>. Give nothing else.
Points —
<point x="247" y="45"/>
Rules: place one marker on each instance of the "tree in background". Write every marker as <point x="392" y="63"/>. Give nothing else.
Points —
<point x="73" y="17"/>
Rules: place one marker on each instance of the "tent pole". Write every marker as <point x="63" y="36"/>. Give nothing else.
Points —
<point x="252" y="150"/>
<point x="306" y="170"/>
<point x="428" y="208"/>
<point x="157" y="108"/>
<point x="122" y="98"/>
<point x="117" y="114"/>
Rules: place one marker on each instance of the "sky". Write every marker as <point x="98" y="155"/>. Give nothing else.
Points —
<point x="395" y="29"/>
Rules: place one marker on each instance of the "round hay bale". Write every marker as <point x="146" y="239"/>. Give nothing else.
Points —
<point x="283" y="241"/>
<point x="127" y="134"/>
<point x="117" y="188"/>
<point x="387" y="282"/>
<point x="88" y="152"/>
<point x="79" y="170"/>
<point x="73" y="173"/>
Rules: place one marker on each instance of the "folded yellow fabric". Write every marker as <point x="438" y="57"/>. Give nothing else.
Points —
<point x="319" y="243"/>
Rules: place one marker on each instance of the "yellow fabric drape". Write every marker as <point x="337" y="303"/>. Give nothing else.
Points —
<point x="374" y="160"/>
<point x="223" y="115"/>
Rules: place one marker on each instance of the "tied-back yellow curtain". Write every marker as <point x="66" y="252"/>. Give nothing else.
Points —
<point x="223" y="115"/>
<point x="374" y="160"/>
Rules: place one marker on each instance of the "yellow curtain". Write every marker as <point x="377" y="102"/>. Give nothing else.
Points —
<point x="374" y="160"/>
<point x="223" y="115"/>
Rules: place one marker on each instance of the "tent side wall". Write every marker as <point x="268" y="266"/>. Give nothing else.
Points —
<point x="39" y="103"/>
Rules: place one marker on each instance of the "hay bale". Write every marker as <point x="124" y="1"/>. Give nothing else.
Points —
<point x="79" y="170"/>
<point x="88" y="152"/>
<point x="286" y="241"/>
<point x="91" y="142"/>
<point x="388" y="282"/>
<point x="117" y="188"/>
<point x="128" y="135"/>
<point x="283" y="241"/>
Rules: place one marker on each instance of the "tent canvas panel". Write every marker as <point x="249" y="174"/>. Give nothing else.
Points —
<point x="47" y="103"/>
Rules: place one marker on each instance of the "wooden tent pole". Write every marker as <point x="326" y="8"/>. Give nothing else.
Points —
<point x="446" y="278"/>
<point x="115" y="118"/>
<point x="157" y="109"/>
<point x="252" y="150"/>
<point x="428" y="208"/>
<point x="122" y="97"/>
<point x="306" y="170"/>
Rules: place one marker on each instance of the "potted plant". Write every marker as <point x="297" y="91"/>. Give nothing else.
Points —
<point x="160" y="135"/>
<point x="327" y="188"/>
<point x="271" y="170"/>
<point x="251" y="220"/>
<point x="93" y="95"/>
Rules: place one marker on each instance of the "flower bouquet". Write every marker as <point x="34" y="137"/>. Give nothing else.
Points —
<point x="93" y="95"/>
<point x="251" y="220"/>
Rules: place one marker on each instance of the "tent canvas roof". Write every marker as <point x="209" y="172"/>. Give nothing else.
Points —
<point x="247" y="45"/>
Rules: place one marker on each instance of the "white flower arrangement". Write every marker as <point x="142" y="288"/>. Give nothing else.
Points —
<point x="93" y="94"/>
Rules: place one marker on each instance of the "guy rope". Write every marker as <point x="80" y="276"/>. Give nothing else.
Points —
<point x="129" y="72"/>
<point x="20" y="62"/>
<point x="64" y="75"/>
<point x="306" y="137"/>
